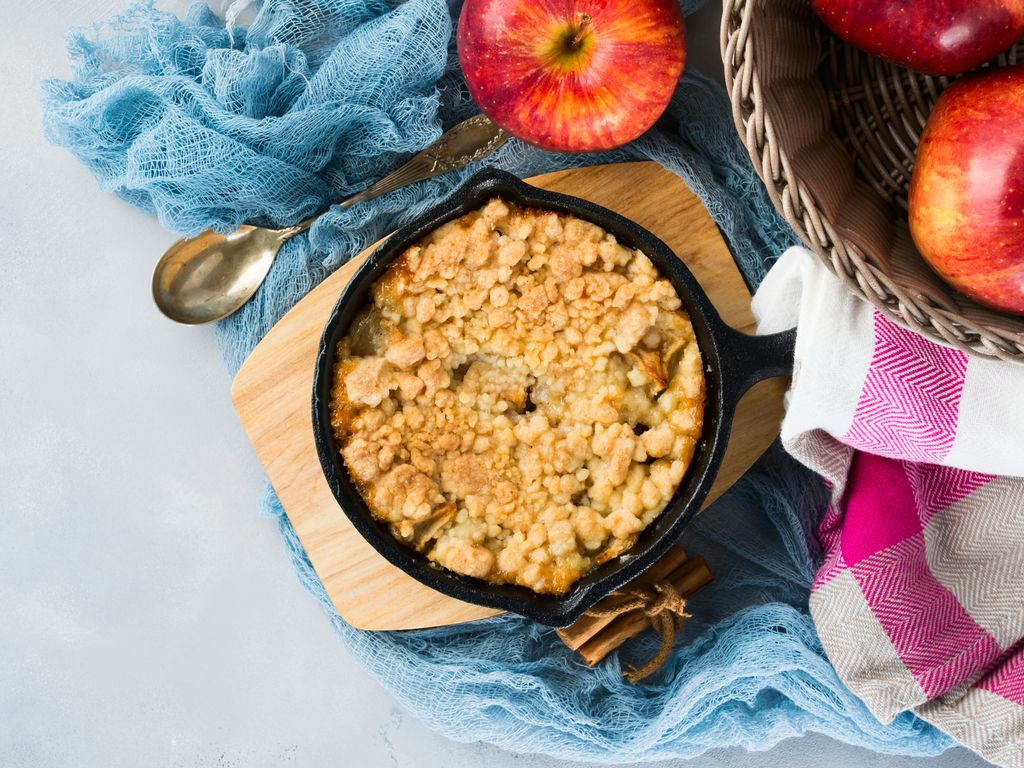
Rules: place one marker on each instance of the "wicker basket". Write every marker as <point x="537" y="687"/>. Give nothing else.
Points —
<point x="832" y="132"/>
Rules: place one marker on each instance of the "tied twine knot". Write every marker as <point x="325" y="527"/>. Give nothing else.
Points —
<point x="664" y="607"/>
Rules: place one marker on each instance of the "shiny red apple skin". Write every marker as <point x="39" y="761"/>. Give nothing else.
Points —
<point x="522" y="72"/>
<point x="936" y="37"/>
<point x="966" y="199"/>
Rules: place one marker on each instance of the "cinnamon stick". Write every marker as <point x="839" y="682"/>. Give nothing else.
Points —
<point x="589" y="625"/>
<point x="597" y="636"/>
<point x="691" y="577"/>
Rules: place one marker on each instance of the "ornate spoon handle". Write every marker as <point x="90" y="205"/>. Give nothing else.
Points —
<point x="470" y="140"/>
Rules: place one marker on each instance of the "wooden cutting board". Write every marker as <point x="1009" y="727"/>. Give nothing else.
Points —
<point x="272" y="394"/>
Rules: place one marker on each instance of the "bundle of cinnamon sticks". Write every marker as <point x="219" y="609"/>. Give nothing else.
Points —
<point x="656" y="599"/>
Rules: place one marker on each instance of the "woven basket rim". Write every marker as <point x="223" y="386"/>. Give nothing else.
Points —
<point x="815" y="227"/>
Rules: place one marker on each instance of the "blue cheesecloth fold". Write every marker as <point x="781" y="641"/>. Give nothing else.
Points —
<point x="204" y="122"/>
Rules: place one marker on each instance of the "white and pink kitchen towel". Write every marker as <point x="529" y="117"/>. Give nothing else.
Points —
<point x="920" y="601"/>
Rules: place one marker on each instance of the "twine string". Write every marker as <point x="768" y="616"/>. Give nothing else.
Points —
<point x="664" y="607"/>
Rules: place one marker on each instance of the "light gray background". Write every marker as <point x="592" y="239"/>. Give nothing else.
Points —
<point x="147" y="613"/>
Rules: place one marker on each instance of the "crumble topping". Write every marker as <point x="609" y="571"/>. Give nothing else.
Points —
<point x="522" y="397"/>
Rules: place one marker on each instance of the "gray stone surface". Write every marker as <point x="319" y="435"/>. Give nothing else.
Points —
<point x="148" y="614"/>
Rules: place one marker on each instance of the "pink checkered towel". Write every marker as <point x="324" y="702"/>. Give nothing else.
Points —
<point x="920" y="600"/>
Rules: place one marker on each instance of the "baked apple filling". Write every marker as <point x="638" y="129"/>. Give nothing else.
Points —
<point x="521" y="398"/>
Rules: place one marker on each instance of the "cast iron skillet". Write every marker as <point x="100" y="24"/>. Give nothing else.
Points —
<point x="733" y="362"/>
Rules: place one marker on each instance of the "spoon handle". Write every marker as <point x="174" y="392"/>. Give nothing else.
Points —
<point x="462" y="144"/>
<point x="470" y="140"/>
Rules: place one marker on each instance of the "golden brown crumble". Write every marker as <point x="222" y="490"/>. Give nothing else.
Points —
<point x="521" y="399"/>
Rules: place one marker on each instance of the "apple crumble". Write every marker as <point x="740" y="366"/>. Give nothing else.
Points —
<point x="521" y="398"/>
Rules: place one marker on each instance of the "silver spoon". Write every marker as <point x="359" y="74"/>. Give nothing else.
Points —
<point x="209" y="276"/>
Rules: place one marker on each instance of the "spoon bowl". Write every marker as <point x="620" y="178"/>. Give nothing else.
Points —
<point x="207" y="277"/>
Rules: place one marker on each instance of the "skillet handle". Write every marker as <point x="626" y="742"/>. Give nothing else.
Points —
<point x="749" y="359"/>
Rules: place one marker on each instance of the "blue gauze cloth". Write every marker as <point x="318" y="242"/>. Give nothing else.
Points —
<point x="205" y="123"/>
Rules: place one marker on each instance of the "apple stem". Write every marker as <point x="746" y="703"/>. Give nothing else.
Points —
<point x="585" y="19"/>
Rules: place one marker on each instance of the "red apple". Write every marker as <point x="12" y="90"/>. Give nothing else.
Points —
<point x="967" y="192"/>
<point x="572" y="75"/>
<point x="936" y="37"/>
